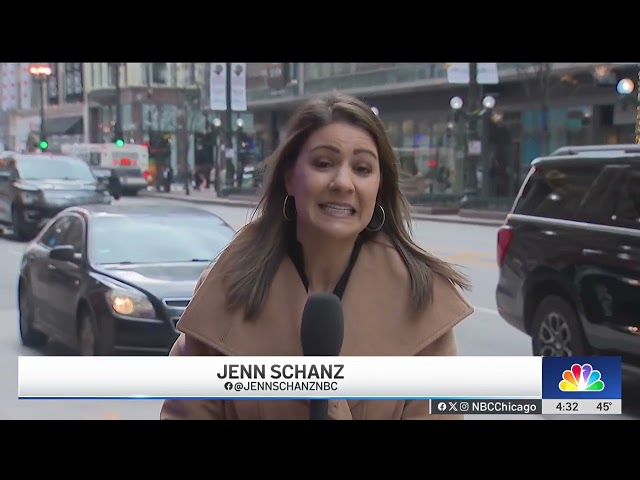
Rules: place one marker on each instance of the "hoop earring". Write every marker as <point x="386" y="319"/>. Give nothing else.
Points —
<point x="384" y="218"/>
<point x="284" y="209"/>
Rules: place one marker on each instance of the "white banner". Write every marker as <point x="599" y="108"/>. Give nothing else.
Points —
<point x="218" y="86"/>
<point x="238" y="87"/>
<point x="487" y="73"/>
<point x="457" y="72"/>
<point x="279" y="377"/>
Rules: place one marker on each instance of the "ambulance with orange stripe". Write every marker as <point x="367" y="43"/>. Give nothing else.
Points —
<point x="129" y="162"/>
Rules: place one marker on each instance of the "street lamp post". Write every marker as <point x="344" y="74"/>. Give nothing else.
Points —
<point x="474" y="149"/>
<point x="216" y="155"/>
<point x="240" y="166"/>
<point x="41" y="72"/>
<point x="116" y="80"/>
<point x="228" y="113"/>
<point x="227" y="116"/>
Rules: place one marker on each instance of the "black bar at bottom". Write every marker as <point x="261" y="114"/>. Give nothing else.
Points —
<point x="517" y="406"/>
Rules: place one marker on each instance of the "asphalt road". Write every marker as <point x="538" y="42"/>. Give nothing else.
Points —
<point x="484" y="333"/>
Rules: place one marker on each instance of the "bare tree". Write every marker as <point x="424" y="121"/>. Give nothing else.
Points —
<point x="539" y="81"/>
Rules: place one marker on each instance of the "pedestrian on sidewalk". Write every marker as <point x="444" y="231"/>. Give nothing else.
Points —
<point x="332" y="219"/>
<point x="115" y="184"/>
<point x="188" y="179"/>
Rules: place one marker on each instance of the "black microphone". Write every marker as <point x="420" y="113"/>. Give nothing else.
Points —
<point x="321" y="333"/>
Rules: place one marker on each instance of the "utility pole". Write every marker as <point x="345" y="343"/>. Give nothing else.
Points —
<point x="226" y="121"/>
<point x="117" y="129"/>
<point x="41" y="72"/>
<point x="228" y="114"/>
<point x="43" y="93"/>
<point x="473" y="138"/>
<point x="212" y="130"/>
<point x="475" y="148"/>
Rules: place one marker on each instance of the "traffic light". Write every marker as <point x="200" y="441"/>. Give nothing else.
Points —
<point x="119" y="142"/>
<point x="43" y="144"/>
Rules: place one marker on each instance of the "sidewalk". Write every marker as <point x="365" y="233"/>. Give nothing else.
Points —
<point x="434" y="214"/>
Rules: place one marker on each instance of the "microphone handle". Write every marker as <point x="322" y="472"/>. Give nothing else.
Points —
<point x="319" y="410"/>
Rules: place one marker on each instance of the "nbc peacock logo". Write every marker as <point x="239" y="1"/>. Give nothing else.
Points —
<point x="581" y="378"/>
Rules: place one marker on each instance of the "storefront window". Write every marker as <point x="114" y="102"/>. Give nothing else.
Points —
<point x="426" y="151"/>
<point x="405" y="150"/>
<point x="443" y="167"/>
<point x="615" y="134"/>
<point x="407" y="134"/>
<point x="565" y="126"/>
<point x="393" y="132"/>
<point x="423" y="134"/>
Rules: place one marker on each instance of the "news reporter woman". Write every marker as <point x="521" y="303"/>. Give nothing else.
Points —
<point x="332" y="218"/>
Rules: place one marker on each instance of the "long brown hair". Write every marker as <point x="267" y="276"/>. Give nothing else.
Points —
<point x="261" y="245"/>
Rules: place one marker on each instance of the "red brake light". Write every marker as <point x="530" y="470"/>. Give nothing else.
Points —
<point x="505" y="234"/>
<point x="125" y="162"/>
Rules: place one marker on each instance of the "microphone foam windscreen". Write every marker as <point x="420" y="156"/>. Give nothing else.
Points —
<point x="322" y="328"/>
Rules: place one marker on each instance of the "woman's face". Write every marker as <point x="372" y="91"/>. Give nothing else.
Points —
<point x="335" y="181"/>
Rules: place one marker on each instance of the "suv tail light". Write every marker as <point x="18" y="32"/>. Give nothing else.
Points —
<point x="505" y="234"/>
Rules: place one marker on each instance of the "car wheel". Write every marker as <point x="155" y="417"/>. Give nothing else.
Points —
<point x="29" y="336"/>
<point x="556" y="330"/>
<point x="89" y="341"/>
<point x="87" y="338"/>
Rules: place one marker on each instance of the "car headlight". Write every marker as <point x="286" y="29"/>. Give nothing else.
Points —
<point x="30" y="198"/>
<point x="130" y="304"/>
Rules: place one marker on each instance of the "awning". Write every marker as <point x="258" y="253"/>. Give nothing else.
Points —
<point x="63" y="126"/>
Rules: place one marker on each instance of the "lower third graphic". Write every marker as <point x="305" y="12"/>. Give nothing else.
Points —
<point x="489" y="406"/>
<point x="281" y="386"/>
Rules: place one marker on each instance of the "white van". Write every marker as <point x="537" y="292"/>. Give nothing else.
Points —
<point x="129" y="162"/>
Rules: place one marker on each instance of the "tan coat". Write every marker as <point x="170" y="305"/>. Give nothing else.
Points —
<point x="375" y="305"/>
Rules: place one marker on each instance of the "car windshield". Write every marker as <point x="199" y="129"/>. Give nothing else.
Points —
<point x="54" y="168"/>
<point x="157" y="238"/>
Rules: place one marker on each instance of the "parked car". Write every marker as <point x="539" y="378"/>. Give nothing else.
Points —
<point x="115" y="278"/>
<point x="569" y="254"/>
<point x="34" y="187"/>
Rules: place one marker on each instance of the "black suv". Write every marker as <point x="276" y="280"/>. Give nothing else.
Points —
<point x="34" y="187"/>
<point x="569" y="254"/>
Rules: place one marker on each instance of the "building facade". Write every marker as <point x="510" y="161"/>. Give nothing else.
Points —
<point x="20" y="109"/>
<point x="539" y="107"/>
<point x="166" y="105"/>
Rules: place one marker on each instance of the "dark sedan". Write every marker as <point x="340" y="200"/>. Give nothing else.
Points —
<point x="109" y="279"/>
<point x="34" y="187"/>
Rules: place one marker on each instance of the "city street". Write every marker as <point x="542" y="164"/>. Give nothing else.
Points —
<point x="485" y="333"/>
